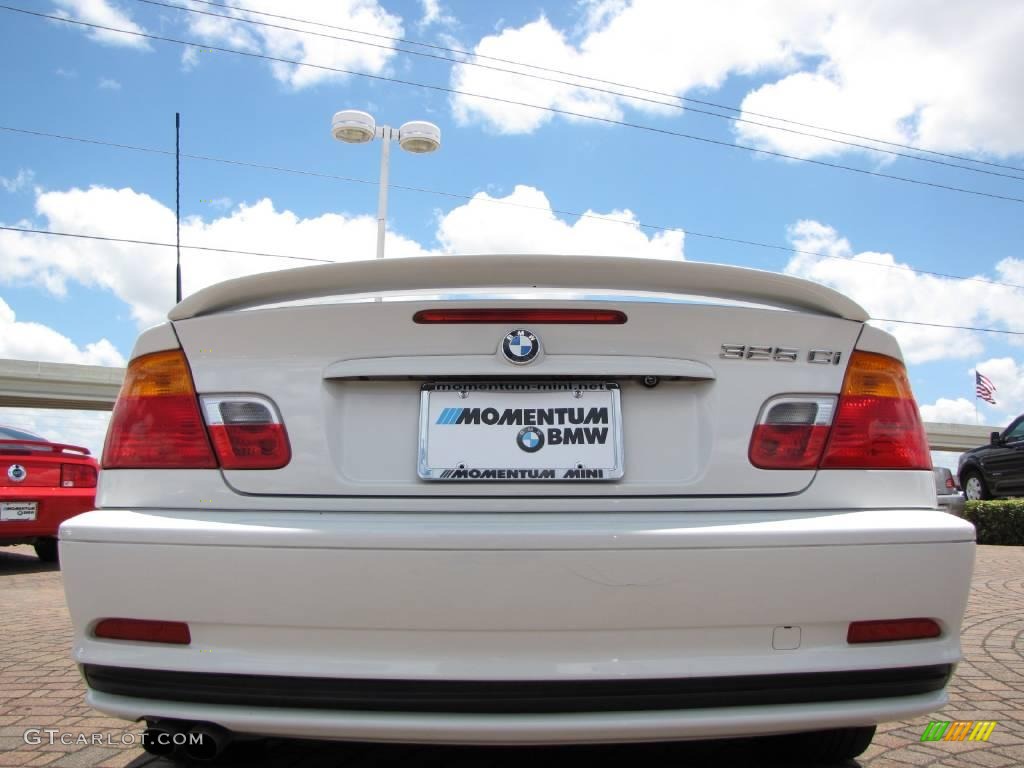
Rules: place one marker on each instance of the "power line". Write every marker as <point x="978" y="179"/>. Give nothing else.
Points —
<point x="543" y="209"/>
<point x="940" y="325"/>
<point x="27" y="230"/>
<point x="513" y="102"/>
<point x="674" y="105"/>
<point x="613" y="83"/>
<point x="30" y="231"/>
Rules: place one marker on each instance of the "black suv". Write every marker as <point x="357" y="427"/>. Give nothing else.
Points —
<point x="996" y="469"/>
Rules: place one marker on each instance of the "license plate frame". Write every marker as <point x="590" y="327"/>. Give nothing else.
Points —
<point x="14" y="511"/>
<point x="495" y="450"/>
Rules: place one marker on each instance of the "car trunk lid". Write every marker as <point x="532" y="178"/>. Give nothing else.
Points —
<point x="349" y="380"/>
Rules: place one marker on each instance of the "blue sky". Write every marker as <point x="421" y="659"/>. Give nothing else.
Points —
<point x="917" y="73"/>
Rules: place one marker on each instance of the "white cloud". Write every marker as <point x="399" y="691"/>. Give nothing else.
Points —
<point x="22" y="180"/>
<point x="894" y="292"/>
<point x="189" y="58"/>
<point x="671" y="48"/>
<point x="84" y="428"/>
<point x="434" y="13"/>
<point x="482" y="227"/>
<point x="143" y="276"/>
<point x="106" y="14"/>
<point x="69" y="73"/>
<point x="109" y="84"/>
<point x="364" y="15"/>
<point x="958" y="411"/>
<point x="34" y="341"/>
<point x="929" y="72"/>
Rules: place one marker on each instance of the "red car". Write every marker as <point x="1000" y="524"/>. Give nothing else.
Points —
<point x="42" y="484"/>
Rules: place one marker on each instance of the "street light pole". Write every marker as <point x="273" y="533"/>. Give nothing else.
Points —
<point x="417" y="136"/>
<point x="382" y="192"/>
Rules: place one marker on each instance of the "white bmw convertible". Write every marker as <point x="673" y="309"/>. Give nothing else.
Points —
<point x="519" y="500"/>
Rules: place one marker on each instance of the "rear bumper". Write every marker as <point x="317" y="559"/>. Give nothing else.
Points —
<point x="55" y="505"/>
<point x="589" y="728"/>
<point x="679" y="602"/>
<point x="516" y="697"/>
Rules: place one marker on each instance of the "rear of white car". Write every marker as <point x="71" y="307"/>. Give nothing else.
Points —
<point x="509" y="520"/>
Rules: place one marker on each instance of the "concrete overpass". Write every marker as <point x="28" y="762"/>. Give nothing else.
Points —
<point x="94" y="387"/>
<point x="29" y="384"/>
<point x="957" y="437"/>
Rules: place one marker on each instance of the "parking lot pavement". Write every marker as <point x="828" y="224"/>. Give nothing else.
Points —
<point x="40" y="689"/>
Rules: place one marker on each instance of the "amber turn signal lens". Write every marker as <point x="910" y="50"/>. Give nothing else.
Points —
<point x="873" y="375"/>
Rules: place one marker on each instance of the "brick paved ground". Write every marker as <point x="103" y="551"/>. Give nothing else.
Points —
<point x="40" y="688"/>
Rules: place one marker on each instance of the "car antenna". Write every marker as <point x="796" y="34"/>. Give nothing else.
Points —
<point x="177" y="197"/>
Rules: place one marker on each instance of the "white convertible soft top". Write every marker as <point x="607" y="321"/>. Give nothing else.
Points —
<point x="577" y="273"/>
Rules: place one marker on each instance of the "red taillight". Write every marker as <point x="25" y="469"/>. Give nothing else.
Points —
<point x="144" y="630"/>
<point x="522" y="316"/>
<point x="877" y="424"/>
<point x="156" y="422"/>
<point x="77" y="476"/>
<point x="247" y="432"/>
<point x="888" y="630"/>
<point x="791" y="432"/>
<point x="950" y="484"/>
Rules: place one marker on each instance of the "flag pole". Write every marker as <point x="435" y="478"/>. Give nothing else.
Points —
<point x="977" y="418"/>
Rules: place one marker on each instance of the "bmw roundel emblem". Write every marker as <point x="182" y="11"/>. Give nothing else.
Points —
<point x="520" y="346"/>
<point x="530" y="439"/>
<point x="16" y="472"/>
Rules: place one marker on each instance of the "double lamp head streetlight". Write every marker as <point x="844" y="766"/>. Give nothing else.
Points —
<point x="417" y="136"/>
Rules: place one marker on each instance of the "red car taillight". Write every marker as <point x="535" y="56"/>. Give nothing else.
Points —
<point x="877" y="424"/>
<point x="156" y="422"/>
<point x="874" y="425"/>
<point x="77" y="476"/>
<point x="791" y="432"/>
<point x="247" y="432"/>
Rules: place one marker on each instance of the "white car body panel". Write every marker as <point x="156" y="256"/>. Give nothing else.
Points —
<point x="344" y="565"/>
<point x="338" y="448"/>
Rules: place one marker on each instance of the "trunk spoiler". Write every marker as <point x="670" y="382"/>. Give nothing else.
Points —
<point x="42" y="447"/>
<point x="578" y="273"/>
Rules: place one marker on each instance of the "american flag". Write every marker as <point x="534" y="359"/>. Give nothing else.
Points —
<point x="984" y="388"/>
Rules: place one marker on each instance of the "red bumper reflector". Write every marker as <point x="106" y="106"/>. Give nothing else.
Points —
<point x="144" y="630"/>
<point x="887" y="630"/>
<point x="521" y="316"/>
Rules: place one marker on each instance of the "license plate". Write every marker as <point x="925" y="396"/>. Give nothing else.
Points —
<point x="18" y="510"/>
<point x="530" y="431"/>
